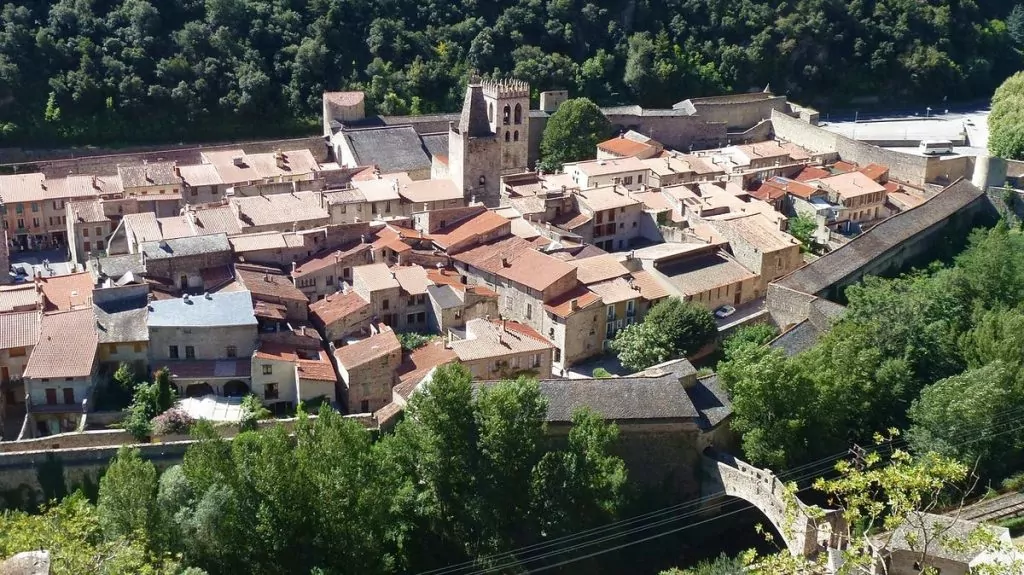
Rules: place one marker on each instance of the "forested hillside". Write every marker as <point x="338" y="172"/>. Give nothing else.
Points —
<point x="106" y="71"/>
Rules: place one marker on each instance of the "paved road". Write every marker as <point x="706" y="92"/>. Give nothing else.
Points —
<point x="743" y="312"/>
<point x="966" y="120"/>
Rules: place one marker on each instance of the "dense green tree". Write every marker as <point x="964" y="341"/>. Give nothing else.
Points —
<point x="803" y="228"/>
<point x="1015" y="24"/>
<point x="965" y="417"/>
<point x="756" y="334"/>
<point x="573" y="133"/>
<point x="671" y="329"/>
<point x="127" y="496"/>
<point x="1006" y="121"/>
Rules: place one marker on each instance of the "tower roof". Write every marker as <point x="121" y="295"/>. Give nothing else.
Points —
<point x="473" y="122"/>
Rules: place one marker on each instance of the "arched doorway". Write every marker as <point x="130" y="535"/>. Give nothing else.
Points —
<point x="236" y="388"/>
<point x="198" y="389"/>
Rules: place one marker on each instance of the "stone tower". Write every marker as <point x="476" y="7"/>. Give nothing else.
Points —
<point x="508" y="112"/>
<point x="491" y="138"/>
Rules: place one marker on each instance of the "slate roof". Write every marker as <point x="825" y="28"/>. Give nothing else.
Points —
<point x="122" y="321"/>
<point x="699" y="274"/>
<point x="66" y="347"/>
<point x="941" y="530"/>
<point x="200" y="175"/>
<point x="19" y="329"/>
<point x="115" y="266"/>
<point x="618" y="399"/>
<point x="211" y="310"/>
<point x="207" y="368"/>
<point x="392" y="148"/>
<point x="435" y="144"/>
<point x="445" y="296"/>
<point x="184" y="247"/>
<point x="841" y="263"/>
<point x="797" y="339"/>
<point x="221" y="219"/>
<point x="89" y="211"/>
<point x="711" y="400"/>
<point x="268" y="283"/>
<point x="473" y="120"/>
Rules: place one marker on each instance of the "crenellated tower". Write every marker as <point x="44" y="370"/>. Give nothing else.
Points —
<point x="508" y="112"/>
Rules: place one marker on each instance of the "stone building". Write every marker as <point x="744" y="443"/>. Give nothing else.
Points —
<point x="275" y="298"/>
<point x="88" y="229"/>
<point x="180" y="263"/>
<point x="323" y="275"/>
<point x="60" y="374"/>
<point x="367" y="368"/>
<point x="760" y="247"/>
<point x="613" y="217"/>
<point x="122" y="333"/>
<point x="340" y="314"/>
<point x="284" y="374"/>
<point x="156" y="186"/>
<point x="630" y="172"/>
<point x="498" y="349"/>
<point x="19" y="332"/>
<point x="206" y="341"/>
<point x="490" y="139"/>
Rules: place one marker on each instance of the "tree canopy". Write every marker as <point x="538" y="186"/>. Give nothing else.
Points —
<point x="1006" y="121"/>
<point x="573" y="133"/>
<point x="468" y="475"/>
<point x="147" y="70"/>
<point x="671" y="329"/>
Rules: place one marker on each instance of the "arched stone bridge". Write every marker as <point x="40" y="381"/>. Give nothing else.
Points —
<point x="804" y="533"/>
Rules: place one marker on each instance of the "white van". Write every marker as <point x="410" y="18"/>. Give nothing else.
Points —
<point x="935" y="147"/>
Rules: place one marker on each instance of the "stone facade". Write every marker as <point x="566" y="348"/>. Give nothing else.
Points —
<point x="212" y="342"/>
<point x="367" y="385"/>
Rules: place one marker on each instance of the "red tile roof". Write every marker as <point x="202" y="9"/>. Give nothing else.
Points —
<point x="797" y="188"/>
<point x="319" y="262"/>
<point x="650" y="288"/>
<point x="19" y="329"/>
<point x="812" y="173"/>
<point x="464" y="230"/>
<point x="366" y="350"/>
<point x="268" y="283"/>
<point x="337" y="306"/>
<point x="875" y="171"/>
<point x="67" y="292"/>
<point x="843" y="167"/>
<point x="319" y="369"/>
<point x="66" y="346"/>
<point x="624" y="147"/>
<point x="419" y="362"/>
<point x="514" y="259"/>
<point x="562" y="305"/>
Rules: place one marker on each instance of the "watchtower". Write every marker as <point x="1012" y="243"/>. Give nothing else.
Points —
<point x="508" y="112"/>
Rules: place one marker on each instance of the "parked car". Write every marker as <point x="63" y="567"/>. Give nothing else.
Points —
<point x="724" y="311"/>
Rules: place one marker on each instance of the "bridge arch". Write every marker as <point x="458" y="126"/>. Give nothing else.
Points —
<point x="804" y="533"/>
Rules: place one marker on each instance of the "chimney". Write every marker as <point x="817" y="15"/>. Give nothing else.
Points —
<point x="95" y="182"/>
<point x="294" y="268"/>
<point x="185" y="298"/>
<point x="266" y="276"/>
<point x="574" y="304"/>
<point x="177" y="170"/>
<point x="207" y="295"/>
<point x="505" y="263"/>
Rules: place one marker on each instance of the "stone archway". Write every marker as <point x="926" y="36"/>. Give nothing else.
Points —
<point x="236" y="388"/>
<point x="198" y="389"/>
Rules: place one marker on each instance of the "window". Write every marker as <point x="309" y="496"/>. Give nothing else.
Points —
<point x="99" y="245"/>
<point x="385" y="304"/>
<point x="513" y="362"/>
<point x="69" y="395"/>
<point x="519" y="114"/>
<point x="631" y="307"/>
<point x="387" y="207"/>
<point x="20" y="209"/>
<point x="412" y="301"/>
<point x="35" y="207"/>
<point x="515" y="136"/>
<point x="346" y="273"/>
<point x="270" y="390"/>
<point x="609" y="331"/>
<point x="364" y="406"/>
<point x="85" y="232"/>
<point x="194" y="191"/>
<point x="174" y="352"/>
<point x="558" y="355"/>
<point x="21" y="223"/>
<point x="87" y="246"/>
<point x="529" y="311"/>
<point x="231" y="351"/>
<point x="35" y="222"/>
<point x="330" y="280"/>
<point x="551" y="333"/>
<point x="190" y="352"/>
<point x="621" y="225"/>
<point x="628" y="180"/>
<point x="421" y="317"/>
<point x="506" y="115"/>
<point x="611" y="313"/>
<point x="535" y="360"/>
<point x="373" y="208"/>
<point x="99" y="232"/>
<point x="507" y="135"/>
<point x="51" y="396"/>
<point x="639" y="179"/>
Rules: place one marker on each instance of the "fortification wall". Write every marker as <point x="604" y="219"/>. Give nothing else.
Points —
<point x="738" y="113"/>
<point x="787" y="307"/>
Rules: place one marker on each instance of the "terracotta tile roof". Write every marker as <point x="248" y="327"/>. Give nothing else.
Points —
<point x="481" y="224"/>
<point x="19" y="329"/>
<point x="220" y="219"/>
<point x="650" y="288"/>
<point x="66" y="346"/>
<point x="148" y="175"/>
<point x="374" y="277"/>
<point x="419" y="362"/>
<point x="18" y="298"/>
<point x="812" y="173"/>
<point x="267" y="283"/>
<point x="175" y="227"/>
<point x="623" y="147"/>
<point x="768" y="192"/>
<point x="17" y="188"/>
<point x="67" y="292"/>
<point x="523" y="229"/>
<point x="87" y="186"/>
<point x="490" y="339"/>
<point x="758" y="232"/>
<point x="413" y="279"/>
<point x="383" y="188"/>
<point x="852" y="184"/>
<point x="614" y="291"/>
<point x="206" y="368"/>
<point x="607" y="198"/>
<point x="318" y="369"/>
<point x="875" y="171"/>
<point x="327" y="259"/>
<point x="366" y="350"/>
<point x="514" y="259"/>
<point x="598" y="268"/>
<point x="606" y="167"/>
<point x="446" y="276"/>
<point x="273" y="209"/>
<point x="344" y="98"/>
<point x="653" y="200"/>
<point x="571" y="221"/>
<point x="562" y="305"/>
<point x="905" y="201"/>
<point x="90" y="211"/>
<point x="430" y="191"/>
<point x="200" y="175"/>
<point x="794" y="187"/>
<point x="842" y="167"/>
<point x="337" y="306"/>
<point x="271" y="311"/>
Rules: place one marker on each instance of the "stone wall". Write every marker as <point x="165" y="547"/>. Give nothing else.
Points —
<point x="787" y="307"/>
<point x="209" y="342"/>
<point x="738" y="112"/>
<point x="105" y="437"/>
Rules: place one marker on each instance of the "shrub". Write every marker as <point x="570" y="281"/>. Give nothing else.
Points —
<point x="1014" y="482"/>
<point x="601" y="373"/>
<point x="174" y="421"/>
<point x="411" y="341"/>
<point x="137" y="423"/>
<point x="252" y="411"/>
